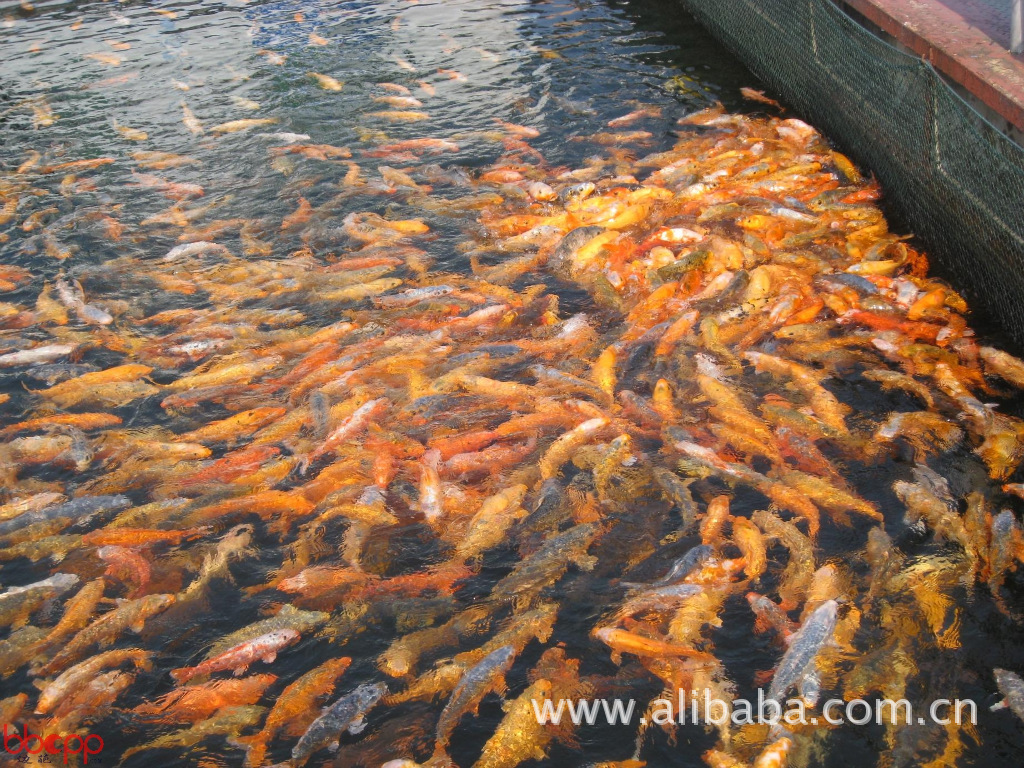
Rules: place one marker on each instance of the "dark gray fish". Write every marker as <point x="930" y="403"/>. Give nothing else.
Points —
<point x="549" y="510"/>
<point x="500" y="350"/>
<point x="685" y="565"/>
<point x="467" y="357"/>
<point x="346" y="714"/>
<point x="474" y="685"/>
<point x="320" y="408"/>
<point x="561" y="258"/>
<point x="54" y="373"/>
<point x="1006" y="533"/>
<point x="845" y="279"/>
<point x="545" y="566"/>
<point x="659" y="598"/>
<point x="641" y="350"/>
<point x="678" y="492"/>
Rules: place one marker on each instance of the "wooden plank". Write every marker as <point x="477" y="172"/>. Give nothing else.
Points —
<point x="957" y="37"/>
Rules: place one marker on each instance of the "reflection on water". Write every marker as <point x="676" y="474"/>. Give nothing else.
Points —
<point x="85" y="81"/>
<point x="261" y="228"/>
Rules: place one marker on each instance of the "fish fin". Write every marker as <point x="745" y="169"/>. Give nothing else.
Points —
<point x="440" y="759"/>
<point x="812" y="678"/>
<point x="180" y="675"/>
<point x="137" y="626"/>
<point x="500" y="686"/>
<point x="239" y="671"/>
<point x="357" y="726"/>
<point x="998" y="705"/>
<point x="333" y="746"/>
<point x="841" y="518"/>
<point x="269" y="658"/>
<point x="40" y="684"/>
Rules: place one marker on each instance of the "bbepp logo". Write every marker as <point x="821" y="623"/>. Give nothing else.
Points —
<point x="52" y="744"/>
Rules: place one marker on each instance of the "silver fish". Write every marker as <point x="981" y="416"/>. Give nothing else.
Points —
<point x="1012" y="688"/>
<point x="345" y="714"/>
<point x="73" y="297"/>
<point x="473" y="686"/>
<point x="804" y="645"/>
<point x="197" y="248"/>
<point x="40" y="354"/>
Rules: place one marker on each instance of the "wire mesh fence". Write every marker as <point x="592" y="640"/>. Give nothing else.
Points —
<point x="955" y="179"/>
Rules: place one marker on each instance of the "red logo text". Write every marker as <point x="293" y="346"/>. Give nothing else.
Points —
<point x="30" y="743"/>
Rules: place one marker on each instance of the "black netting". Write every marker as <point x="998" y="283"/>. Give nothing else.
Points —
<point x="955" y="179"/>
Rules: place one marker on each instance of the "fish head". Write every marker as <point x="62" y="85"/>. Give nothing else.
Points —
<point x="370" y="693"/>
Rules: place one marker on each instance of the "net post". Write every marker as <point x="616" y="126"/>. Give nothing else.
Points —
<point x="1017" y="27"/>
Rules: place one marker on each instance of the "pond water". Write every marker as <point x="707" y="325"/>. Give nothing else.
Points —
<point x="272" y="136"/>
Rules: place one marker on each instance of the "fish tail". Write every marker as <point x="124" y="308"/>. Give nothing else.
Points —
<point x="440" y="758"/>
<point x="252" y="746"/>
<point x="256" y="751"/>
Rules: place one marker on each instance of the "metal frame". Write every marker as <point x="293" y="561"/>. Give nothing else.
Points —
<point x="1017" y="27"/>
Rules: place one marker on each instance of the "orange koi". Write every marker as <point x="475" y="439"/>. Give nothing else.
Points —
<point x="195" y="703"/>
